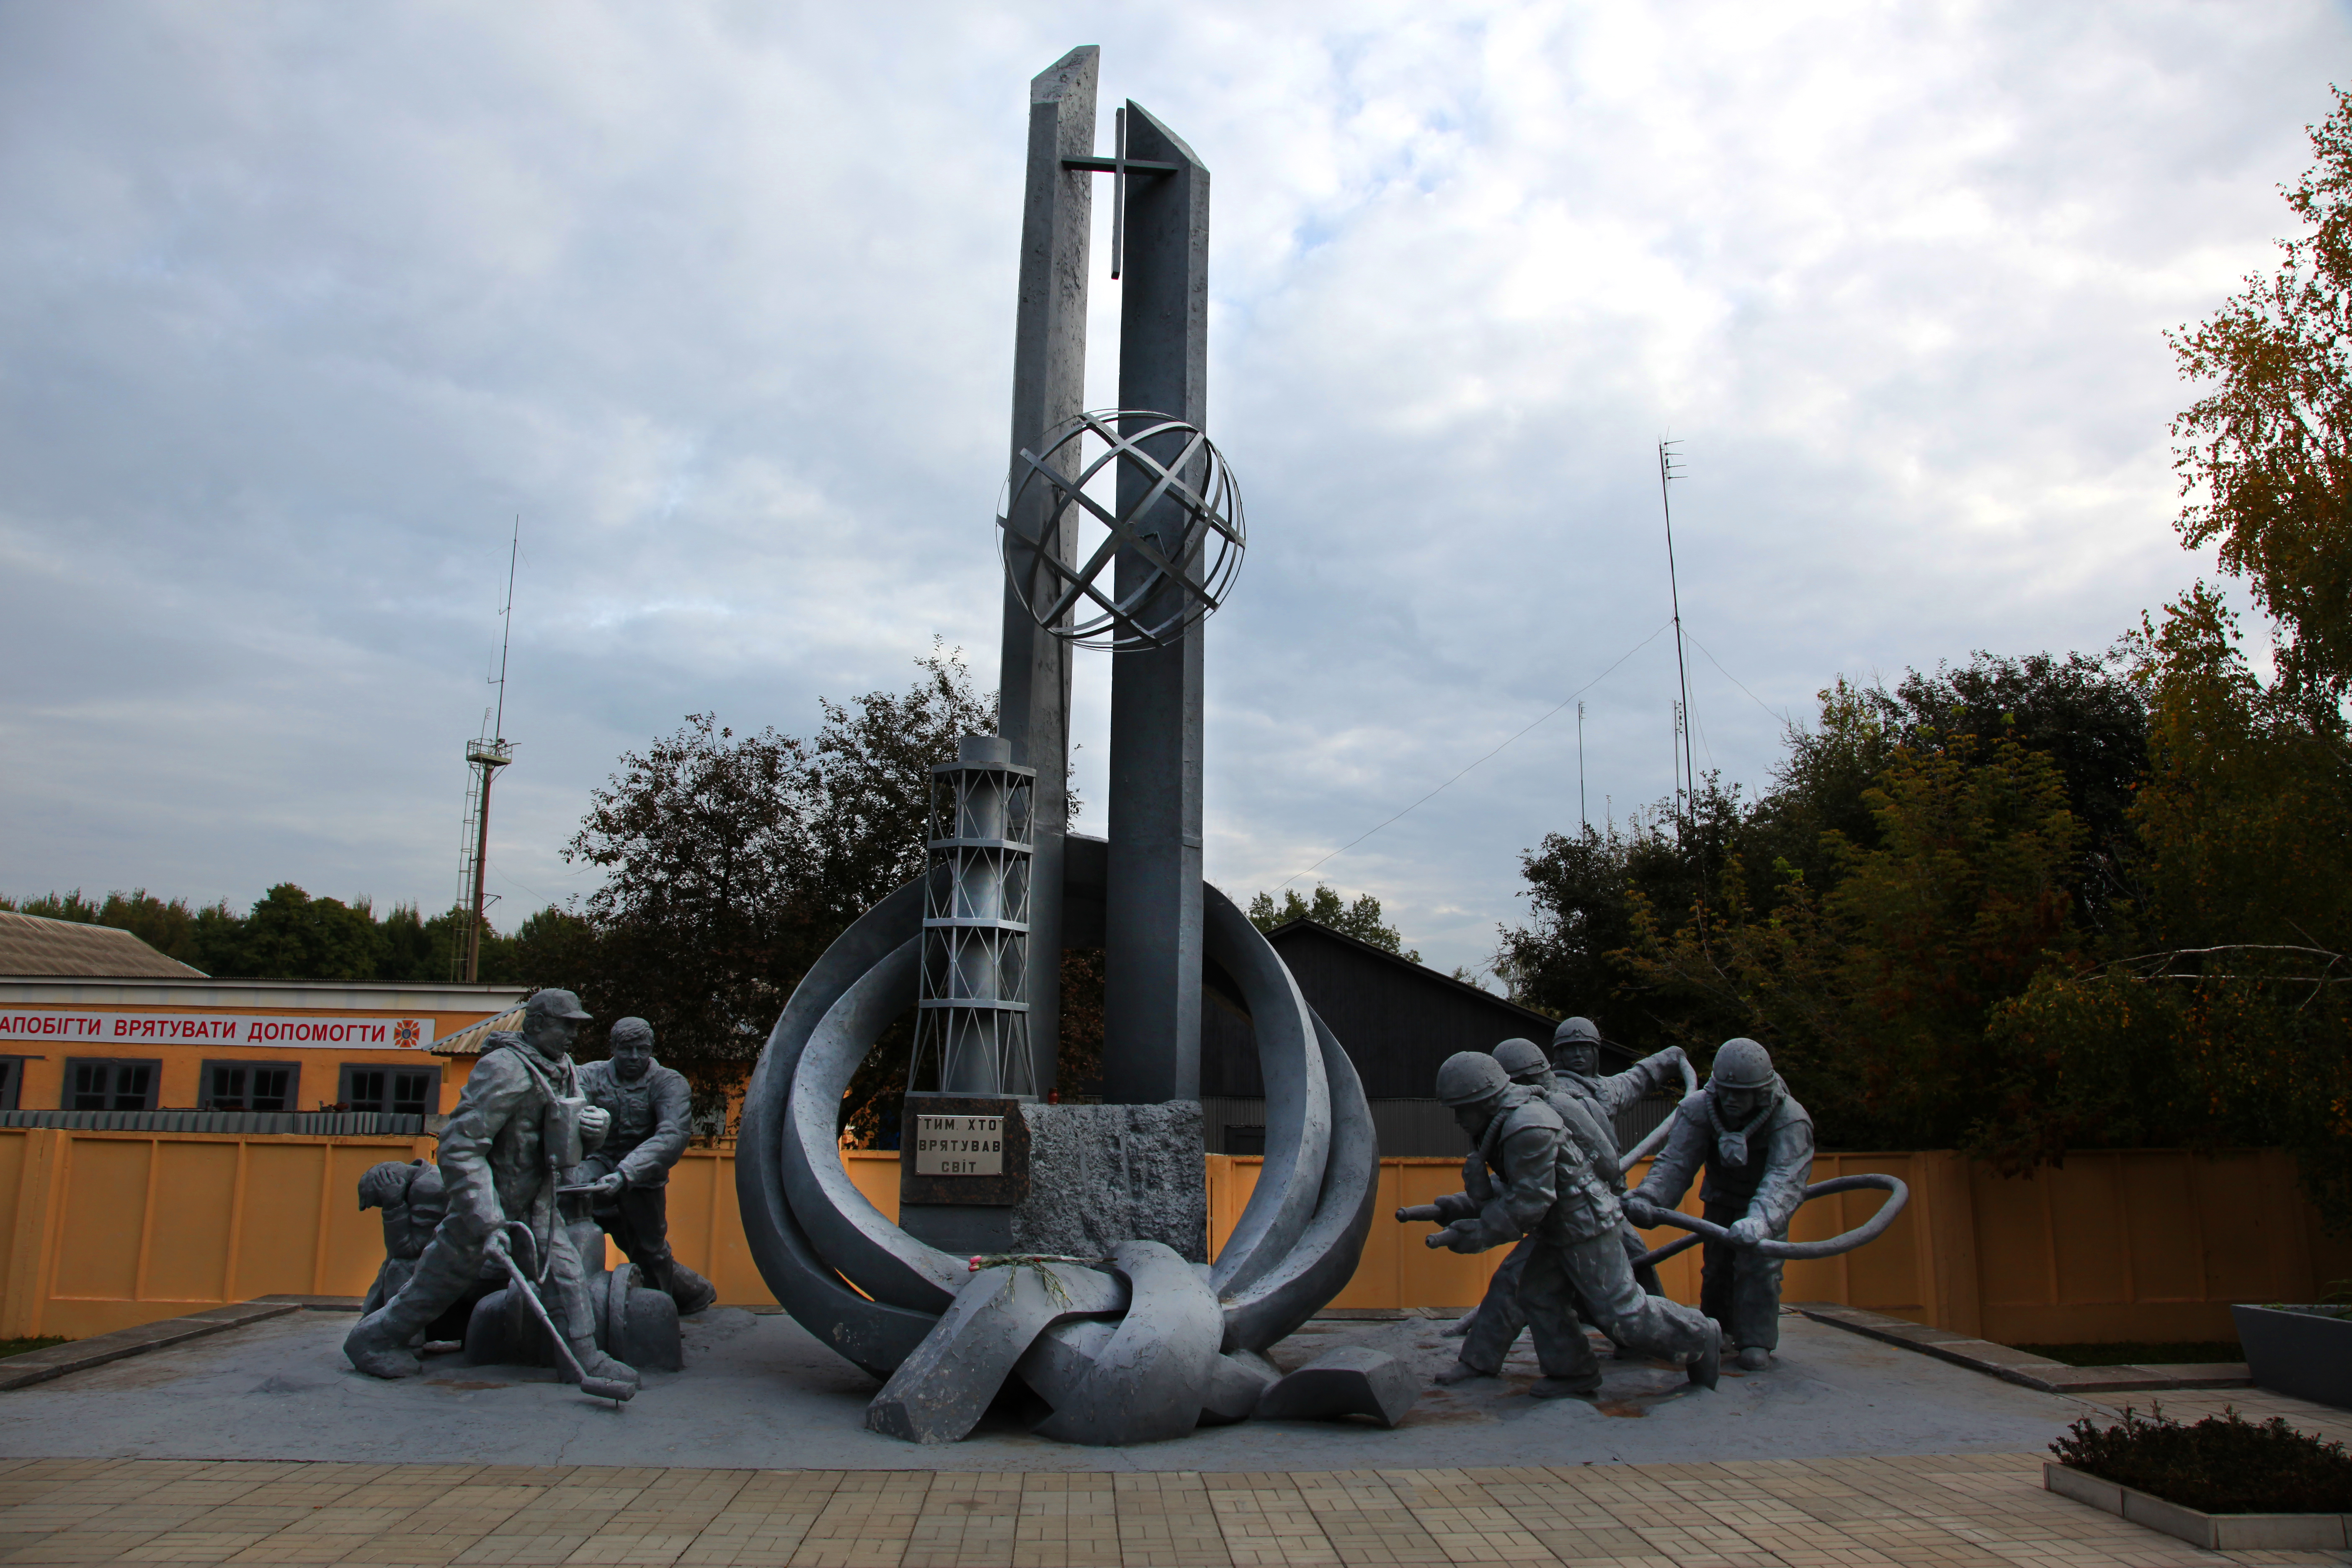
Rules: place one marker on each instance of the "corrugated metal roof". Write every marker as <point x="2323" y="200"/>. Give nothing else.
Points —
<point x="314" y="1123"/>
<point x="469" y="1042"/>
<point x="35" y="947"/>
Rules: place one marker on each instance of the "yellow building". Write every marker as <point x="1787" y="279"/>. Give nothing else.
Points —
<point x="92" y="1019"/>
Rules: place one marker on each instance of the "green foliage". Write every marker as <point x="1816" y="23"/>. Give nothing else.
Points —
<point x="2266" y="454"/>
<point x="2223" y="1464"/>
<point x="731" y="862"/>
<point x="1920" y="854"/>
<point x="1873" y="993"/>
<point x="289" y="935"/>
<point x="39" y="1342"/>
<point x="1359" y="917"/>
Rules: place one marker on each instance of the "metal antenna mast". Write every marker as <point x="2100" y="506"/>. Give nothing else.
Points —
<point x="1583" y="820"/>
<point x="486" y="756"/>
<point x="1688" y="785"/>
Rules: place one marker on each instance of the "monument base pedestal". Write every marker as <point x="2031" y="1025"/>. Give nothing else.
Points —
<point x="1099" y="1176"/>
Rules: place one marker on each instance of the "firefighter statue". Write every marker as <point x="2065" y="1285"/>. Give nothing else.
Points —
<point x="520" y="1122"/>
<point x="1537" y="1176"/>
<point x="628" y="1174"/>
<point x="1755" y="1143"/>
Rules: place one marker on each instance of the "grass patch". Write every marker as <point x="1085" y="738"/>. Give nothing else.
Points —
<point x="2223" y="1464"/>
<point x="41" y="1342"/>
<point x="2140" y="1353"/>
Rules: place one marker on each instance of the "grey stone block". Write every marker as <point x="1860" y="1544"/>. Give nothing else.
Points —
<point x="1236" y="1382"/>
<point x="1350" y="1380"/>
<point x="1101" y="1175"/>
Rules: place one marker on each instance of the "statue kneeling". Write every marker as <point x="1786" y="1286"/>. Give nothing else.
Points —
<point x="520" y="1119"/>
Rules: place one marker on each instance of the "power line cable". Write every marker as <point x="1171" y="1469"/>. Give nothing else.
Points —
<point x="1734" y="680"/>
<point x="1433" y="795"/>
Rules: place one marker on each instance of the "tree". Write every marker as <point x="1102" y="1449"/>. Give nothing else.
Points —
<point x="1876" y="991"/>
<point x="1359" y="917"/>
<point x="2265" y="460"/>
<point x="733" y="861"/>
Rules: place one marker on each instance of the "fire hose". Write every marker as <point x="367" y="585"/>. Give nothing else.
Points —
<point x="1868" y="1231"/>
<point x="1702" y="1230"/>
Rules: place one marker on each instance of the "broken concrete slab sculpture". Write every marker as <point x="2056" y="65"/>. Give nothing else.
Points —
<point x="1061" y="1247"/>
<point x="1353" y="1380"/>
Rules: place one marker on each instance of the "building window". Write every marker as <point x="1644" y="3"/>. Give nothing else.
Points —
<point x="250" y="1086"/>
<point x="402" y="1090"/>
<point x="110" y="1085"/>
<point x="12" y="1082"/>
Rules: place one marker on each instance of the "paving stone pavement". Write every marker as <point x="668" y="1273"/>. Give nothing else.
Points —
<point x="1948" y="1510"/>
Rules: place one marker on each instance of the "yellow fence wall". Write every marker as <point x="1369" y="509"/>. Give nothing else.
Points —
<point x="103" y="1230"/>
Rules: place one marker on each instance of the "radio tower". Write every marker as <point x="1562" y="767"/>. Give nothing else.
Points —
<point x="483" y="758"/>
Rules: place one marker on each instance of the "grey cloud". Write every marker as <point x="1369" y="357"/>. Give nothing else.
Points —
<point x="300" y="306"/>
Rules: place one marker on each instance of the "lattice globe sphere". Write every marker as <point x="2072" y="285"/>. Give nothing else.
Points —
<point x="1176" y="519"/>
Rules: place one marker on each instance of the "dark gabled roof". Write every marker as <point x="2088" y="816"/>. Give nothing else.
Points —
<point x="1421" y="972"/>
<point x="1396" y="1019"/>
<point x="33" y="947"/>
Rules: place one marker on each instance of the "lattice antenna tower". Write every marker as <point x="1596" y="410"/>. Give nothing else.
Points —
<point x="483" y="757"/>
<point x="1685" y="786"/>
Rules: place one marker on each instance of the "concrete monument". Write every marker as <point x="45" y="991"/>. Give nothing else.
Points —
<point x="1064" y="1246"/>
<point x="1541" y="1180"/>
<point x="1755" y="1143"/>
<point x="520" y="1123"/>
<point x="628" y="1177"/>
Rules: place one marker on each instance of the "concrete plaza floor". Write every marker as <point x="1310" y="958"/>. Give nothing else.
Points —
<point x="759" y="1391"/>
<point x="1958" y="1511"/>
<point x="260" y="1445"/>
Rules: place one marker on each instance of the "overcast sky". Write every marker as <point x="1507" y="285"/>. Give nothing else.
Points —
<point x="301" y="306"/>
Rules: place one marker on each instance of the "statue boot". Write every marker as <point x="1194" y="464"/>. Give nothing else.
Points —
<point x="691" y="1290"/>
<point x="382" y="1342"/>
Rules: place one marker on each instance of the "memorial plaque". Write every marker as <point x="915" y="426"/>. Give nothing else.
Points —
<point x="959" y="1145"/>
<point x="962" y="1148"/>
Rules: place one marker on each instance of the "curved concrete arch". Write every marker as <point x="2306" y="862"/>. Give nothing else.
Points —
<point x="850" y="1232"/>
<point x="1297" y="1097"/>
<point x="1147" y="1380"/>
<point x="872" y="1335"/>
<point x="1320" y="1266"/>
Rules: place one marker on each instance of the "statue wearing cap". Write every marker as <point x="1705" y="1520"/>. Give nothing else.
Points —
<point x="519" y="1124"/>
<point x="628" y="1174"/>
<point x="1755" y="1143"/>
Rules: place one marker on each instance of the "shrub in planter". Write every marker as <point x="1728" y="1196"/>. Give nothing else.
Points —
<point x="2223" y="1464"/>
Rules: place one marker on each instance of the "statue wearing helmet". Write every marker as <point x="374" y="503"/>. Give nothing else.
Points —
<point x="1488" y="1333"/>
<point x="1755" y="1143"/>
<point x="1575" y="1070"/>
<point x="1540" y="1178"/>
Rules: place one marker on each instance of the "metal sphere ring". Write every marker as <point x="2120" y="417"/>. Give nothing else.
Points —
<point x="1173" y="539"/>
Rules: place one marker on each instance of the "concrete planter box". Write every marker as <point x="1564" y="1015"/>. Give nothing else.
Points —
<point x="2213" y="1531"/>
<point x="2300" y="1351"/>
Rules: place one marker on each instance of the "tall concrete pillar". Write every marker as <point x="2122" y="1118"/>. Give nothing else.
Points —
<point x="1151" y="1005"/>
<point x="1049" y="373"/>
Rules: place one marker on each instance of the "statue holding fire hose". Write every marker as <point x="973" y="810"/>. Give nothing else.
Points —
<point x="1755" y="1143"/>
<point x="1752" y="1139"/>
